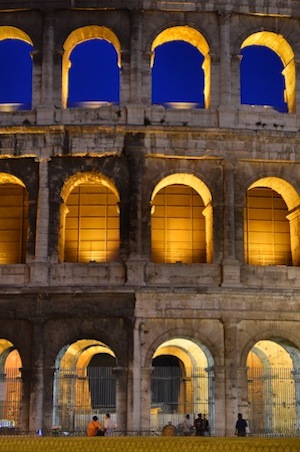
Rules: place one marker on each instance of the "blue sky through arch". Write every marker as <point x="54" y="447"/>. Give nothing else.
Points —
<point x="94" y="74"/>
<point x="16" y="73"/>
<point x="262" y="82"/>
<point x="177" y="74"/>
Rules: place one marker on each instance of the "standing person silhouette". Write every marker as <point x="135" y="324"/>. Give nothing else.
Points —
<point x="240" y="426"/>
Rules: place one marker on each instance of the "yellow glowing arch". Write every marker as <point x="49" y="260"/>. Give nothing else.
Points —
<point x="194" y="37"/>
<point x="185" y="179"/>
<point x="76" y="37"/>
<point x="87" y="178"/>
<point x="281" y="47"/>
<point x="203" y="191"/>
<point x="284" y="188"/>
<point x="8" y="32"/>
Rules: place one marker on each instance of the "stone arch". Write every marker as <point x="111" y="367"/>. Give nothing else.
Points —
<point x="78" y="388"/>
<point x="10" y="378"/>
<point x="90" y="178"/>
<point x="9" y="32"/>
<point x="21" y="97"/>
<point x="13" y="219"/>
<point x="76" y="37"/>
<point x="193" y="377"/>
<point x="282" y="48"/>
<point x="273" y="383"/>
<point x="202" y="190"/>
<point x="292" y="201"/>
<point x="193" y="37"/>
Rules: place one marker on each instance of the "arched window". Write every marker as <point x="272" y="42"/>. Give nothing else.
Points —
<point x="13" y="222"/>
<point x="16" y="69"/>
<point x="181" y="223"/>
<point x="90" y="219"/>
<point x="182" y="382"/>
<point x="94" y="75"/>
<point x="177" y="75"/>
<point x="11" y="384"/>
<point x="180" y="68"/>
<point x="266" y="228"/>
<point x="178" y="226"/>
<point x="268" y="72"/>
<point x="84" y="384"/>
<point x="91" y="67"/>
<point x="273" y="387"/>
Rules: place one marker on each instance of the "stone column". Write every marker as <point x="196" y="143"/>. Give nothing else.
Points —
<point x="230" y="266"/>
<point x="218" y="423"/>
<point x="231" y="375"/>
<point x="146" y="374"/>
<point x="226" y="112"/>
<point x="121" y="397"/>
<point x="39" y="269"/>
<point x="135" y="109"/>
<point x="45" y="110"/>
<point x="225" y="59"/>
<point x="294" y="219"/>
<point x="135" y="156"/>
<point x="36" y="409"/>
<point x="242" y="376"/>
<point x="48" y="375"/>
<point x="25" y="400"/>
<point x="134" y="411"/>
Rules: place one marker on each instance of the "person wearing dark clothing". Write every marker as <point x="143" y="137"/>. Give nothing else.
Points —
<point x="199" y="424"/>
<point x="240" y="426"/>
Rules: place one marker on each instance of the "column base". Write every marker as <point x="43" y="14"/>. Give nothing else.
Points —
<point x="231" y="273"/>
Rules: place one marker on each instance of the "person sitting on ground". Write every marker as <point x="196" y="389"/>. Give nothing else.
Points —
<point x="93" y="427"/>
<point x="109" y="425"/>
<point x="169" y="430"/>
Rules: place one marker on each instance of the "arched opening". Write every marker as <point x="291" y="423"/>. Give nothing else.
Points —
<point x="268" y="74"/>
<point x="89" y="219"/>
<point x="271" y="226"/>
<point x="91" y="67"/>
<point x="181" y="383"/>
<point x="16" y="69"/>
<point x="262" y="81"/>
<point x="13" y="220"/>
<point x="273" y="388"/>
<point x="94" y="75"/>
<point x="181" y="222"/>
<point x="180" y="68"/>
<point x="84" y="384"/>
<point x="10" y="385"/>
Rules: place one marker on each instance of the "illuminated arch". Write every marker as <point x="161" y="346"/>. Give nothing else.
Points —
<point x="76" y="385"/>
<point x="292" y="201"/>
<point x="16" y="87"/>
<point x="102" y="247"/>
<point x="273" y="386"/>
<point x="202" y="190"/>
<point x="193" y="378"/>
<point x="10" y="371"/>
<point x="76" y="37"/>
<point x="87" y="178"/>
<point x="13" y="219"/>
<point x="193" y="37"/>
<point x="281" y="47"/>
<point x="8" y="32"/>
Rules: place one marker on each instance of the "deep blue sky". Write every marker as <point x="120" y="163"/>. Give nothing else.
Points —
<point x="177" y="75"/>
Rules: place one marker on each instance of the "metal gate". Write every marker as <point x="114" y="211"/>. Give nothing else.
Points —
<point x="273" y="409"/>
<point x="80" y="394"/>
<point x="175" y="393"/>
<point x="10" y="398"/>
